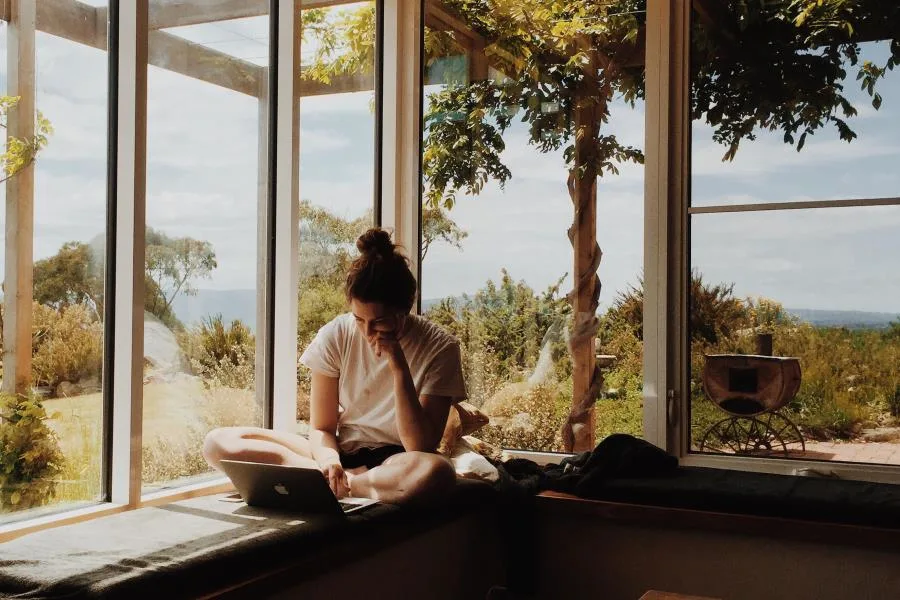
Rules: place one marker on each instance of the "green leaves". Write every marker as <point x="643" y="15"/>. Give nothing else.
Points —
<point x="464" y="128"/>
<point x="30" y="458"/>
<point x="19" y="153"/>
<point x="785" y="67"/>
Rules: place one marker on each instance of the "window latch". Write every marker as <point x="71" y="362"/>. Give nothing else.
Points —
<point x="671" y="407"/>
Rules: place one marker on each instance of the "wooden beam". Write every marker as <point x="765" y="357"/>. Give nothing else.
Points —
<point x="438" y="16"/>
<point x="19" y="259"/>
<point x="84" y="24"/>
<point x="358" y="82"/>
<point x="72" y="20"/>
<point x="173" y="53"/>
<point x="181" y="13"/>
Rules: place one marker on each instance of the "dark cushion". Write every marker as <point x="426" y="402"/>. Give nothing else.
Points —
<point x="188" y="548"/>
<point x="764" y="494"/>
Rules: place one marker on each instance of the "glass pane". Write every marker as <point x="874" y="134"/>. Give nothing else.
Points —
<point x="56" y="458"/>
<point x="821" y="286"/>
<point x="789" y="90"/>
<point x="497" y="262"/>
<point x="205" y="209"/>
<point x="337" y="164"/>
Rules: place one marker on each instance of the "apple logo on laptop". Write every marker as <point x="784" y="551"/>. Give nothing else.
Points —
<point x="281" y="489"/>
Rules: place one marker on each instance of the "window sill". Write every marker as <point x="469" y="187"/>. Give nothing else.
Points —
<point x="16" y="529"/>
<point x="877" y="473"/>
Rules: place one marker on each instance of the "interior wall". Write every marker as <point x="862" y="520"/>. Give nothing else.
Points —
<point x="590" y="558"/>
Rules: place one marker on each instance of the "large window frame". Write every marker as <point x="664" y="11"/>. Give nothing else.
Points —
<point x="667" y="256"/>
<point x="399" y="76"/>
<point x="129" y="29"/>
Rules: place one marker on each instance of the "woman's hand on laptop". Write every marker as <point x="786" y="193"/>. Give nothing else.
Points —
<point x="337" y="479"/>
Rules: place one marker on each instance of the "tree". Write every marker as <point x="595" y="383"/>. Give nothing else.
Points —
<point x="715" y="313"/>
<point x="437" y="225"/>
<point x="172" y="265"/>
<point x="74" y="275"/>
<point x="71" y="276"/>
<point x="756" y="66"/>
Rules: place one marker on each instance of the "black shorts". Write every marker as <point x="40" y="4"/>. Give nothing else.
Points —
<point x="369" y="457"/>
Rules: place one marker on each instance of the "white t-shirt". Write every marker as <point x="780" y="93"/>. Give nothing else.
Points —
<point x="366" y="385"/>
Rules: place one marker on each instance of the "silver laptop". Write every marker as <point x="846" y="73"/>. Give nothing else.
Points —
<point x="295" y="489"/>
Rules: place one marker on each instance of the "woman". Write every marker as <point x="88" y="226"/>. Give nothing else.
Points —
<point x="383" y="381"/>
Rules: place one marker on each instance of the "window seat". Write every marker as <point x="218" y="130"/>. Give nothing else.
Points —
<point x="211" y="546"/>
<point x="738" y="499"/>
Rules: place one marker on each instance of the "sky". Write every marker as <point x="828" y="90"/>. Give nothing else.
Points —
<point x="203" y="172"/>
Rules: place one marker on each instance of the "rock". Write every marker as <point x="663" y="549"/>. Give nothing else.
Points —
<point x="881" y="434"/>
<point x="161" y="348"/>
<point x="89" y="385"/>
<point x="520" y="421"/>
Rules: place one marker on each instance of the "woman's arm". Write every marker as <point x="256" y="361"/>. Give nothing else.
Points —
<point x="420" y="419"/>
<point x="323" y="419"/>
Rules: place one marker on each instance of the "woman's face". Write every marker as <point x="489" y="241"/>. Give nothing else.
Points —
<point x="374" y="317"/>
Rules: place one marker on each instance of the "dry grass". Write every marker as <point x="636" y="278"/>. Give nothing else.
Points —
<point x="177" y="417"/>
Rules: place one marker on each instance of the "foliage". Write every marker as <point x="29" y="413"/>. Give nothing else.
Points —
<point x="71" y="276"/>
<point x="437" y="225"/>
<point x="501" y="330"/>
<point x="67" y="344"/>
<point x="30" y="458"/>
<point x="172" y="265"/>
<point x="20" y="153"/>
<point x="74" y="275"/>
<point x="782" y="66"/>
<point x="770" y="66"/>
<point x="530" y="417"/>
<point x="166" y="459"/>
<point x="222" y="355"/>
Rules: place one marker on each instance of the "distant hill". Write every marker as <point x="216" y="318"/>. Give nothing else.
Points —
<point x="853" y="319"/>
<point x="231" y="304"/>
<point x="241" y="304"/>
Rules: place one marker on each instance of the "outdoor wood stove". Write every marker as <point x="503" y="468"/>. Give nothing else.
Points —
<point x="752" y="390"/>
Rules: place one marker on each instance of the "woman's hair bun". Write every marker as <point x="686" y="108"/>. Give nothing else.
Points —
<point x="375" y="242"/>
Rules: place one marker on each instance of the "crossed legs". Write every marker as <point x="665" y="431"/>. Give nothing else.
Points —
<point x="403" y="478"/>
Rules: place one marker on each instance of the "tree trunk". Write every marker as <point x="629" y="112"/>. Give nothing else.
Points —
<point x="578" y="431"/>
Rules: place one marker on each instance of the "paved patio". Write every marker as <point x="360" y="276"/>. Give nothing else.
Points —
<point x="857" y="451"/>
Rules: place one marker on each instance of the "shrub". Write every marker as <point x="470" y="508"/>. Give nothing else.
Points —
<point x="166" y="459"/>
<point x="894" y="404"/>
<point x="67" y="345"/>
<point x="175" y="456"/>
<point x="527" y="416"/>
<point x="30" y="458"/>
<point x="222" y="356"/>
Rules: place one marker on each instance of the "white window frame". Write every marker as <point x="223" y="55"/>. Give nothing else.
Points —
<point x="401" y="40"/>
<point x="666" y="266"/>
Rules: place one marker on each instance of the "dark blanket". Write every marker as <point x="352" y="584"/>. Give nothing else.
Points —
<point x="188" y="548"/>
<point x="618" y="456"/>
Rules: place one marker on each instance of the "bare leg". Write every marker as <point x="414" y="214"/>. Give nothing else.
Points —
<point x="406" y="477"/>
<point x="255" y="444"/>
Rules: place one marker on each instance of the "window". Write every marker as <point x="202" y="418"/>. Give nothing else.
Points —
<point x="504" y="102"/>
<point x="54" y="108"/>
<point x="785" y="247"/>
<point x="337" y="164"/>
<point x="794" y="213"/>
<point x="207" y="98"/>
